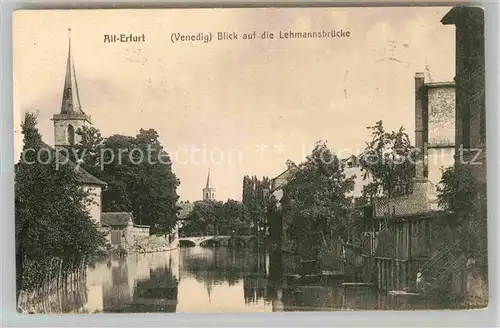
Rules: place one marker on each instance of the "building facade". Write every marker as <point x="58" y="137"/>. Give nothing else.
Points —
<point x="71" y="117"/>
<point x="434" y="130"/>
<point x="66" y="124"/>
<point x="470" y="140"/>
<point x="434" y="125"/>
<point x="123" y="231"/>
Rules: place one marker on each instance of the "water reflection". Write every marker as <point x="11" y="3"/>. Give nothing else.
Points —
<point x="135" y="283"/>
<point x="223" y="280"/>
<point x="210" y="280"/>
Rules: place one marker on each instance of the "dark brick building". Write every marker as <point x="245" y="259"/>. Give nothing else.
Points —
<point x="470" y="137"/>
<point x="470" y="125"/>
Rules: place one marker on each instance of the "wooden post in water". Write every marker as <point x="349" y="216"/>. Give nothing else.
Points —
<point x="393" y="271"/>
<point x="384" y="276"/>
<point x="377" y="265"/>
<point x="381" y="273"/>
<point x="396" y="275"/>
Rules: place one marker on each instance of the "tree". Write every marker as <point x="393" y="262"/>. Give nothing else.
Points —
<point x="204" y="218"/>
<point x="211" y="217"/>
<point x="254" y="198"/>
<point x="139" y="175"/>
<point x="457" y="191"/>
<point x="315" y="203"/>
<point x="389" y="161"/>
<point x="55" y="234"/>
<point x="460" y="193"/>
<point x="236" y="217"/>
<point x="88" y="151"/>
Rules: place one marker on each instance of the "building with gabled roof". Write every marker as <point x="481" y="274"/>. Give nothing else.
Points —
<point x="71" y="117"/>
<point x="123" y="229"/>
<point x="66" y="123"/>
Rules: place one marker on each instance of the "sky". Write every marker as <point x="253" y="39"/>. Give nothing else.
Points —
<point x="240" y="107"/>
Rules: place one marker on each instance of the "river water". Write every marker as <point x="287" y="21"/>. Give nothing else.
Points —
<point x="218" y="279"/>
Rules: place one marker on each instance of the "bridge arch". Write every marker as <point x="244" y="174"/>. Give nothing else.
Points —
<point x="186" y="243"/>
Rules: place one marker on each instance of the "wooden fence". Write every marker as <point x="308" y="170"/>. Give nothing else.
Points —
<point x="395" y="274"/>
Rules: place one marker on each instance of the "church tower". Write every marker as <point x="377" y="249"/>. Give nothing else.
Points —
<point x="71" y="116"/>
<point x="208" y="191"/>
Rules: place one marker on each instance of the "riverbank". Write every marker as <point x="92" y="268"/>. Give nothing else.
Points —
<point x="150" y="244"/>
<point x="71" y="294"/>
<point x="222" y="279"/>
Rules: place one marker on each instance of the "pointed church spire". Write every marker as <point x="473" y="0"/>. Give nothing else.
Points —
<point x="209" y="183"/>
<point x="208" y="191"/>
<point x="71" y="98"/>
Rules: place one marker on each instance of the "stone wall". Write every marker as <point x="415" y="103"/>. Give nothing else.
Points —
<point x="147" y="244"/>
<point x="136" y="239"/>
<point x="136" y="233"/>
<point x="414" y="203"/>
<point x="441" y="115"/>
<point x="61" y="124"/>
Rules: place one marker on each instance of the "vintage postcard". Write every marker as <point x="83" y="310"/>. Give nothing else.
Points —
<point x="250" y="159"/>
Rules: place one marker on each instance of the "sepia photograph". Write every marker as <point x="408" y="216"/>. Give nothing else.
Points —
<point x="229" y="160"/>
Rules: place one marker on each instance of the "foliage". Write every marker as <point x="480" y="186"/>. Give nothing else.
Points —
<point x="138" y="172"/>
<point x="457" y="190"/>
<point x="315" y="201"/>
<point x="54" y="230"/>
<point x="236" y="217"/>
<point x="88" y="151"/>
<point x="460" y="193"/>
<point x="388" y="160"/>
<point x="254" y="198"/>
<point x="203" y="218"/>
<point x="211" y="217"/>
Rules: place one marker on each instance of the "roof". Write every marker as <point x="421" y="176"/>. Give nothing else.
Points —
<point x="209" y="182"/>
<point x="351" y="160"/>
<point x="436" y="214"/>
<point x="116" y="218"/>
<point x="119" y="219"/>
<point x="87" y="178"/>
<point x="283" y="178"/>
<point x="459" y="13"/>
<point x="446" y="84"/>
<point x="71" y="107"/>
<point x="83" y="176"/>
<point x="71" y="98"/>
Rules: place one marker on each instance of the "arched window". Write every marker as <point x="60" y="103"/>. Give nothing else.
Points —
<point x="71" y="134"/>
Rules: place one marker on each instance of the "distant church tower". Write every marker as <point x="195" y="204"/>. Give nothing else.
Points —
<point x="71" y="117"/>
<point x="208" y="191"/>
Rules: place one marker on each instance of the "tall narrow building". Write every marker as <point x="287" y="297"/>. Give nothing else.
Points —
<point x="71" y="117"/>
<point x="208" y="191"/>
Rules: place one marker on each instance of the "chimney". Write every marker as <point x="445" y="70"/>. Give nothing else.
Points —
<point x="420" y="121"/>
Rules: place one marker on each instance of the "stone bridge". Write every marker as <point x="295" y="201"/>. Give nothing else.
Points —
<point x="205" y="240"/>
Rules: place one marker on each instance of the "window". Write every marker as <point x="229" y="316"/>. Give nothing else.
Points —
<point x="71" y="135"/>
